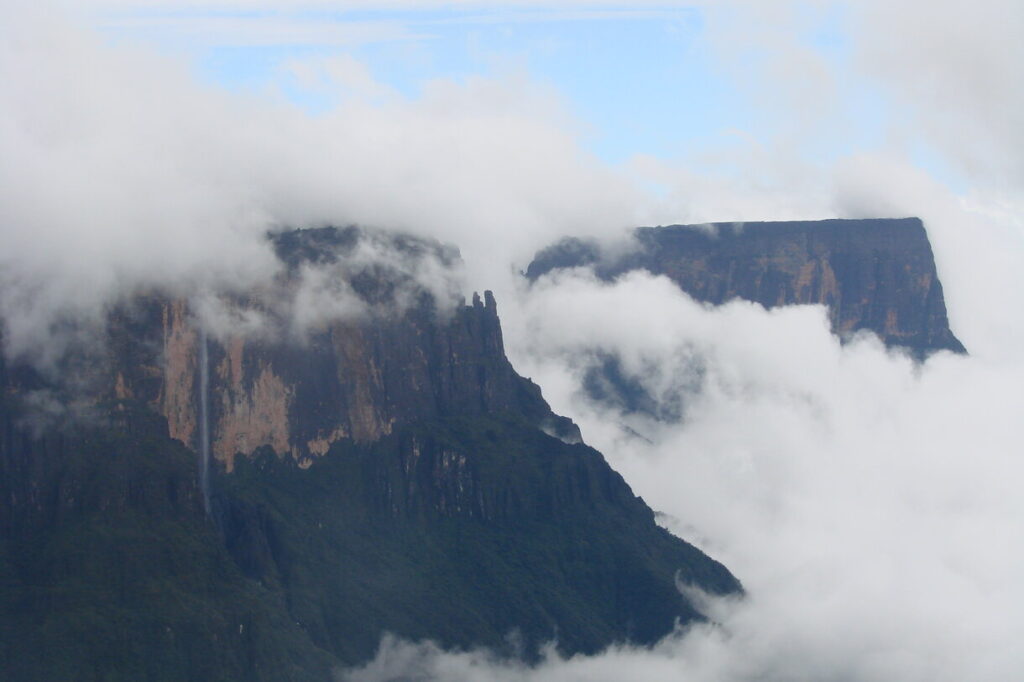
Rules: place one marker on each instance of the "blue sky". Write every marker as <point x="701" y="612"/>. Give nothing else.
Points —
<point x="683" y="82"/>
<point x="641" y="81"/>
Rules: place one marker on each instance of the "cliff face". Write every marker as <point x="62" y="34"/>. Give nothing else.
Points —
<point x="355" y="379"/>
<point x="877" y="275"/>
<point x="378" y="466"/>
<point x="110" y="569"/>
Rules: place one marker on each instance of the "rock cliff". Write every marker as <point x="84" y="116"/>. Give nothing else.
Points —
<point x="376" y="466"/>
<point x="877" y="275"/>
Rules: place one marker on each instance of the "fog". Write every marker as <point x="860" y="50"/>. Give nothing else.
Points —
<point x="121" y="171"/>
<point x="867" y="502"/>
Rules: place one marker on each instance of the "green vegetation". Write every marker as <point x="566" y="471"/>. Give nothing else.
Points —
<point x="109" y="571"/>
<point x="465" y="531"/>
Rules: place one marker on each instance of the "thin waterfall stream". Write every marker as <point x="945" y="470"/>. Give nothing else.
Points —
<point x="204" y="421"/>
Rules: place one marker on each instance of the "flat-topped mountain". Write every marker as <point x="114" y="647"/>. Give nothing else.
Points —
<point x="877" y="275"/>
<point x="257" y="485"/>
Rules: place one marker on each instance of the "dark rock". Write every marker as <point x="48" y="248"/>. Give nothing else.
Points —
<point x="874" y="275"/>
<point x="877" y="275"/>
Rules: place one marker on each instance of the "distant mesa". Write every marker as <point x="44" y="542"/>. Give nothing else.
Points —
<point x="877" y="275"/>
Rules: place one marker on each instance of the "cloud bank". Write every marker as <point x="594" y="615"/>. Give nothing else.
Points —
<point x="121" y="172"/>
<point x="867" y="503"/>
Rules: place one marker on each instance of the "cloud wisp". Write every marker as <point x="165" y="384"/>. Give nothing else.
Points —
<point x="120" y="172"/>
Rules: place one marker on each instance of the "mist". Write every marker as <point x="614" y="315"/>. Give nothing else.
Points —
<point x="121" y="172"/>
<point x="866" y="501"/>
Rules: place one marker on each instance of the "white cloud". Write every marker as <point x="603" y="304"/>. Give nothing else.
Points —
<point x="868" y="504"/>
<point x="120" y="171"/>
<point x="953" y="64"/>
<point x="261" y="30"/>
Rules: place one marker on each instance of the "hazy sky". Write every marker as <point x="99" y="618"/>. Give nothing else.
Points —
<point x="639" y="79"/>
<point x="870" y="505"/>
<point x="661" y="79"/>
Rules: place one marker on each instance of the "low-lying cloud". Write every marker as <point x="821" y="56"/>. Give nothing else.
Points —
<point x="867" y="502"/>
<point x="121" y="172"/>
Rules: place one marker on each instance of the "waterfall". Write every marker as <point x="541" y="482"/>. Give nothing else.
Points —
<point x="204" y="421"/>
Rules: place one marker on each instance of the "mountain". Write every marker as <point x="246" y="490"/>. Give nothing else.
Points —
<point x="258" y="484"/>
<point x="876" y="275"/>
<point x="873" y="275"/>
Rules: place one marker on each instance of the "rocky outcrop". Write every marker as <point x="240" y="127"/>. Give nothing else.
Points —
<point x="875" y="275"/>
